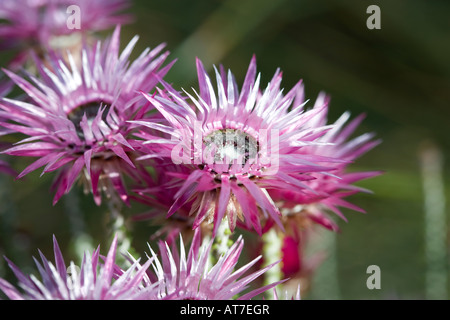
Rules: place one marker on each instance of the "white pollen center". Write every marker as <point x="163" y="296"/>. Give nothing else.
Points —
<point x="230" y="146"/>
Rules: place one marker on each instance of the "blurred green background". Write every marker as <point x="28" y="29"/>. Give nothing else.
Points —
<point x="399" y="75"/>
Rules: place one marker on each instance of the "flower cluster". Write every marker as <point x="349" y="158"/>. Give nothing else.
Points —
<point x="176" y="276"/>
<point x="208" y="163"/>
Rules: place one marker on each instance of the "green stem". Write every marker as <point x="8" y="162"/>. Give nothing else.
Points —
<point x="272" y="245"/>
<point x="82" y="241"/>
<point x="222" y="242"/>
<point x="435" y="223"/>
<point x="118" y="228"/>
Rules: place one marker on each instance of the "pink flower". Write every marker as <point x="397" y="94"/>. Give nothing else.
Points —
<point x="191" y="277"/>
<point x="42" y="24"/>
<point x="175" y="276"/>
<point x="90" y="281"/>
<point x="237" y="145"/>
<point x="76" y="118"/>
<point x="296" y="264"/>
<point x="330" y="190"/>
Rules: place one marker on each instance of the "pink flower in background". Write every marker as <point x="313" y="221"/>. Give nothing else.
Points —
<point x="42" y="24"/>
<point x="5" y="168"/>
<point x="238" y="145"/>
<point x="76" y="118"/>
<point x="194" y="277"/>
<point x="331" y="189"/>
<point x="296" y="263"/>
<point x="90" y="281"/>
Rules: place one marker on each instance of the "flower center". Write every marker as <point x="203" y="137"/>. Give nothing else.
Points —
<point x="91" y="109"/>
<point x="230" y="146"/>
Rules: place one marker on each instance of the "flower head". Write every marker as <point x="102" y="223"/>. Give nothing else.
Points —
<point x="76" y="119"/>
<point x="91" y="281"/>
<point x="181" y="277"/>
<point x="42" y="24"/>
<point x="238" y="145"/>
<point x="330" y="190"/>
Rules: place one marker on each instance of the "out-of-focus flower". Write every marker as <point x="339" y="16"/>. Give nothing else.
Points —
<point x="330" y="190"/>
<point x="5" y="167"/>
<point x="43" y="24"/>
<point x="238" y="145"/>
<point x="91" y="281"/>
<point x="298" y="260"/>
<point x="297" y="264"/>
<point x="76" y="119"/>
<point x="191" y="277"/>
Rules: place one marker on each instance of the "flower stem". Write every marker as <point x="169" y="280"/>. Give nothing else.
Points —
<point x="222" y="241"/>
<point x="272" y="245"/>
<point x="435" y="222"/>
<point x="118" y="228"/>
<point x="82" y="241"/>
